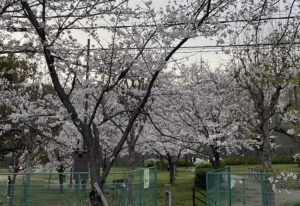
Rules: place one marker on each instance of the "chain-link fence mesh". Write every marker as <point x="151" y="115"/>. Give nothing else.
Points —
<point x="225" y="188"/>
<point x="136" y="188"/>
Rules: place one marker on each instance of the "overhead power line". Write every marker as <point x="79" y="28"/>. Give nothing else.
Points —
<point x="190" y="48"/>
<point x="141" y="25"/>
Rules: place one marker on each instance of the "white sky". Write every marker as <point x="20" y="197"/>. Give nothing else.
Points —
<point x="212" y="58"/>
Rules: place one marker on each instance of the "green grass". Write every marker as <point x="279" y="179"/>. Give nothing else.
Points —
<point x="181" y="190"/>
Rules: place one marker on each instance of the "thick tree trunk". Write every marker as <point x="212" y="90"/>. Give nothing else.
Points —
<point x="16" y="169"/>
<point x="215" y="161"/>
<point x="60" y="169"/>
<point x="26" y="177"/>
<point x="12" y="187"/>
<point x="92" y="141"/>
<point x="61" y="181"/>
<point x="267" y="150"/>
<point x="172" y="173"/>
<point x="130" y="185"/>
<point x="172" y="170"/>
<point x="269" y="195"/>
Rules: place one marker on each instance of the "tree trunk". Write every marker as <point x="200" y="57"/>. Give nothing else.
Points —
<point x="269" y="196"/>
<point x="130" y="185"/>
<point x="61" y="181"/>
<point x="93" y="144"/>
<point x="60" y="169"/>
<point x="186" y="162"/>
<point x="131" y="166"/>
<point x="26" y="178"/>
<point x="215" y="161"/>
<point x="12" y="188"/>
<point x="172" y="170"/>
<point x="16" y="169"/>
<point x="267" y="150"/>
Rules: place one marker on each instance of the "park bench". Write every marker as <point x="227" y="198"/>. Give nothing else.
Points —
<point x="254" y="172"/>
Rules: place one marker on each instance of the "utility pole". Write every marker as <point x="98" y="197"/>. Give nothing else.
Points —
<point x="86" y="104"/>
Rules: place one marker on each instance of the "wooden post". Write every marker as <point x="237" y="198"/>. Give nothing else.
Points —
<point x="168" y="194"/>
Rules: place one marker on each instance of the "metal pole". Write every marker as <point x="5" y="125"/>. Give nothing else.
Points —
<point x="70" y="189"/>
<point x="194" y="196"/>
<point x="219" y="185"/>
<point x="78" y="189"/>
<point x="229" y="188"/>
<point x="86" y="96"/>
<point x="141" y="186"/>
<point x="244" y="201"/>
<point x="155" y="186"/>
<point x="27" y="178"/>
<point x="207" y="189"/>
<point x="262" y="189"/>
<point x="49" y="180"/>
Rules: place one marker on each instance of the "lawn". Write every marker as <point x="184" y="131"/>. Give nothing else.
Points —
<point x="181" y="191"/>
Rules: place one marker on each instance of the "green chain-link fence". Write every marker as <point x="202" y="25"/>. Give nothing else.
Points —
<point x="136" y="188"/>
<point x="225" y="188"/>
<point x="218" y="187"/>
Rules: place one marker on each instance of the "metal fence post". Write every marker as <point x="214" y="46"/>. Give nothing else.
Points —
<point x="229" y="188"/>
<point x="26" y="190"/>
<point x="262" y="188"/>
<point x="49" y="180"/>
<point x="219" y="185"/>
<point x="207" y="189"/>
<point x="155" y="186"/>
<point x="26" y="187"/>
<point x="141" y="186"/>
<point x="244" y="201"/>
<point x="194" y="196"/>
<point x="69" y="194"/>
<point x="123" y="193"/>
<point x="78" y="189"/>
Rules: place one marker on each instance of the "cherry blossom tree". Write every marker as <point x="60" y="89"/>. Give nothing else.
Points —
<point x="54" y="30"/>
<point x="48" y="31"/>
<point x="202" y="113"/>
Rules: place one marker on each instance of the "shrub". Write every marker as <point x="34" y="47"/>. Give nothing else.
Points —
<point x="276" y="159"/>
<point x="182" y="163"/>
<point x="151" y="162"/>
<point x="207" y="165"/>
<point x="155" y="162"/>
<point x="201" y="166"/>
<point x="282" y="159"/>
<point x="200" y="178"/>
<point x="241" y="160"/>
<point x="162" y="164"/>
<point x="297" y="158"/>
